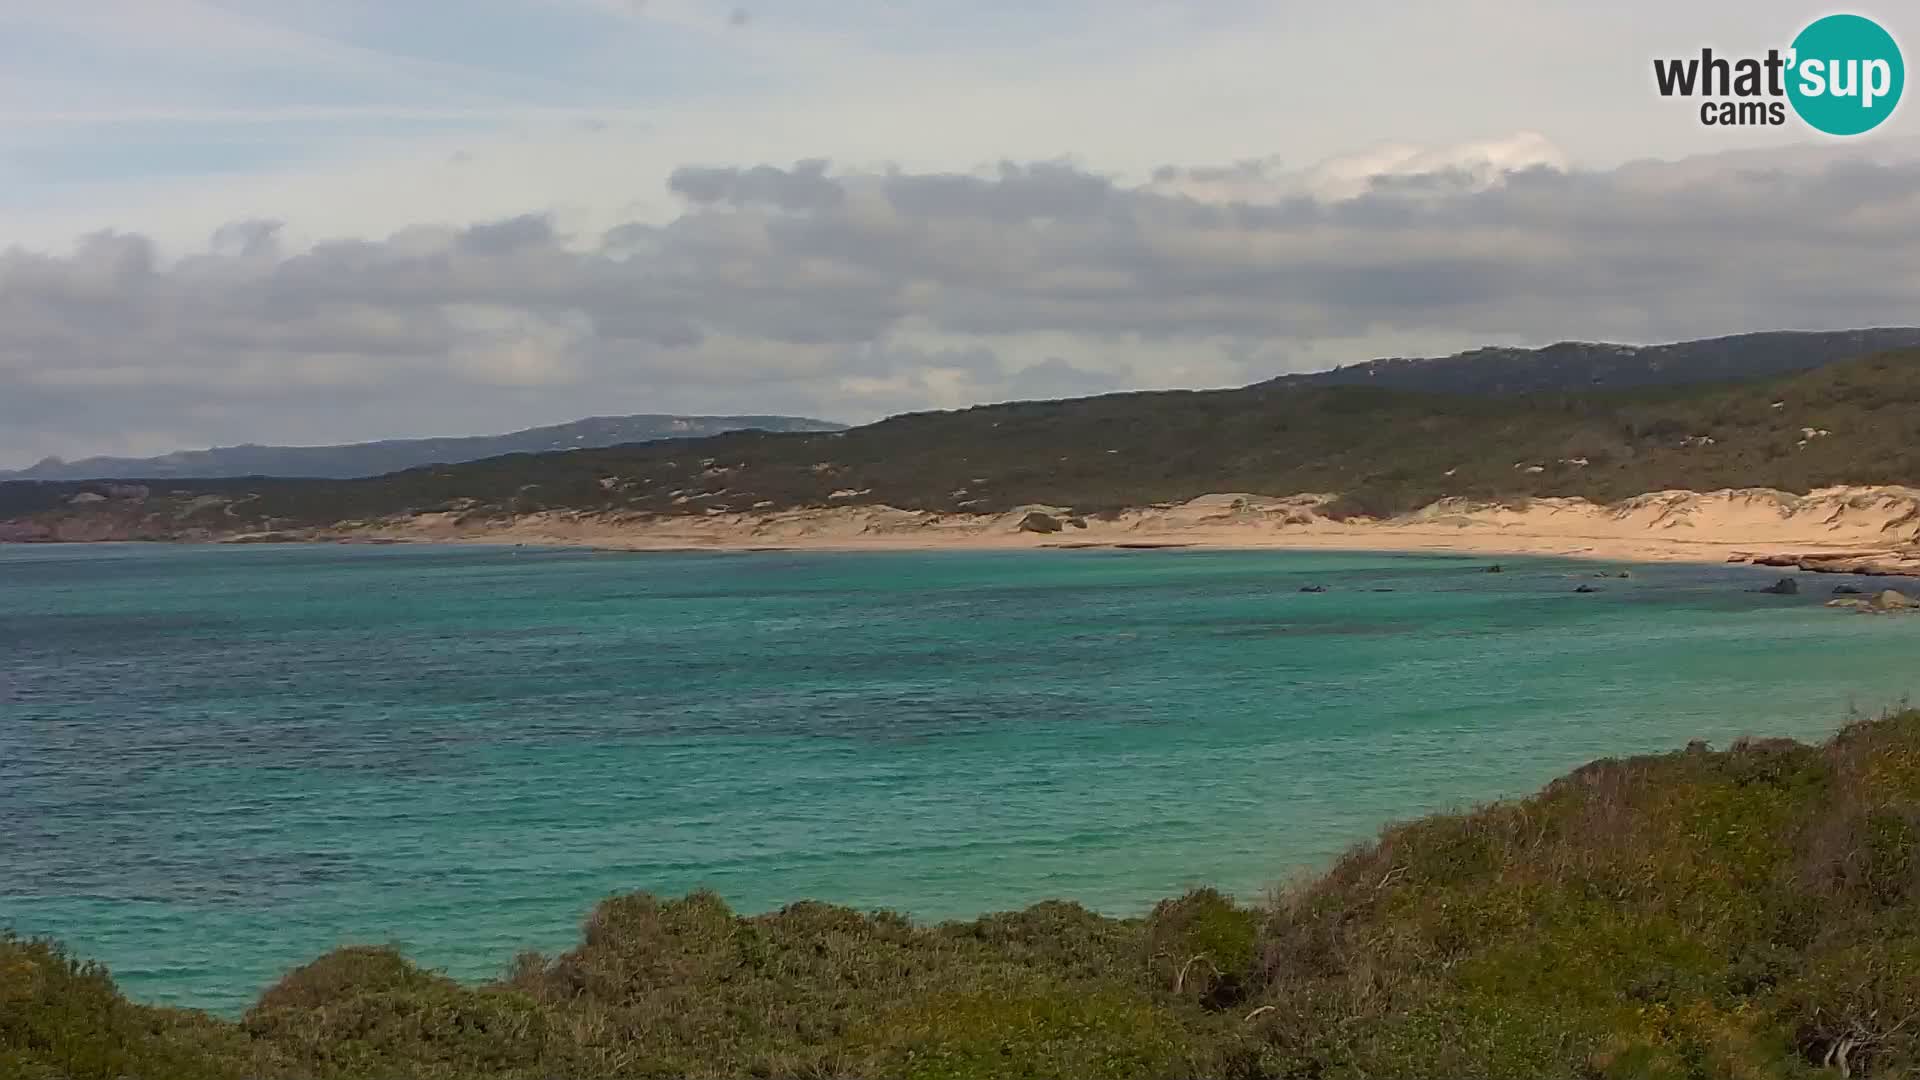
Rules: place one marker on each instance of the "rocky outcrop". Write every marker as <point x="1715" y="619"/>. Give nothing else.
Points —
<point x="1898" y="563"/>
<point x="1886" y="601"/>
<point x="1037" y="522"/>
<point x="1786" y="586"/>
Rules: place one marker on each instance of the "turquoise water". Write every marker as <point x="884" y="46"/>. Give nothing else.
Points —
<point x="219" y="762"/>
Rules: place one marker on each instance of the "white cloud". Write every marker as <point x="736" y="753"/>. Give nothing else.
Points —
<point x="849" y="294"/>
<point x="1189" y="207"/>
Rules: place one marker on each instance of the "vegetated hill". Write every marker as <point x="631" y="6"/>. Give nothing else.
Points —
<point x="392" y="455"/>
<point x="1387" y="451"/>
<point x="1584" y="365"/>
<point x="1753" y="912"/>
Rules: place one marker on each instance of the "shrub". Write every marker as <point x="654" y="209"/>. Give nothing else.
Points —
<point x="1747" y="913"/>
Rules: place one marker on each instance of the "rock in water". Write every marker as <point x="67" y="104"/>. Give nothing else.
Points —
<point x="1313" y="588"/>
<point x="1893" y="600"/>
<point x="1847" y="590"/>
<point x="1496" y="568"/>
<point x="1037" y="522"/>
<point x="1786" y="586"/>
<point x="1888" y="600"/>
<point x="1587" y="588"/>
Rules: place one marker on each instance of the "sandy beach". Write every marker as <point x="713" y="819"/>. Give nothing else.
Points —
<point x="1877" y="525"/>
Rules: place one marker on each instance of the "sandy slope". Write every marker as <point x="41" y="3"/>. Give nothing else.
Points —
<point x="1880" y="522"/>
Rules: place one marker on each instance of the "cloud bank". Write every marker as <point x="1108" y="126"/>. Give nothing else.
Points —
<point x="849" y="294"/>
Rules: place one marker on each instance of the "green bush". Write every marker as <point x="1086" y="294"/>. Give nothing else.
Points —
<point x="61" y="1019"/>
<point x="1750" y="913"/>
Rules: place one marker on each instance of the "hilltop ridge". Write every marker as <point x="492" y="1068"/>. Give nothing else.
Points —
<point x="1599" y="365"/>
<point x="349" y="460"/>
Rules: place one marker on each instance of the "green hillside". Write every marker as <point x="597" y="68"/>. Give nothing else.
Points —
<point x="1594" y="365"/>
<point x="1748" y="913"/>
<point x="1851" y="422"/>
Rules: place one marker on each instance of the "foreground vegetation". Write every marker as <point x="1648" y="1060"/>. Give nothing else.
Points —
<point x="1753" y="912"/>
<point x="1853" y="422"/>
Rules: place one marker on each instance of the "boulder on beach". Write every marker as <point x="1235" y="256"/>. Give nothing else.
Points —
<point x="1786" y="586"/>
<point x="1037" y="522"/>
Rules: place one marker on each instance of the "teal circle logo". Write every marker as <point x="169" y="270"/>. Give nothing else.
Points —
<point x="1846" y="74"/>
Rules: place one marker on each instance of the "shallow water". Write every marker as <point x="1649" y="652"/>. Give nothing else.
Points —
<point x="216" y="763"/>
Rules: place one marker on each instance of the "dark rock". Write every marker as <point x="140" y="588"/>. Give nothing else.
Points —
<point x="1037" y="522"/>
<point x="1313" y="588"/>
<point x="1848" y="590"/>
<point x="1588" y="588"/>
<point x="1495" y="569"/>
<point x="1077" y="522"/>
<point x="1786" y="586"/>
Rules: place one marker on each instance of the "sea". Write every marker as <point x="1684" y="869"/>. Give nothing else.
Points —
<point x="218" y="762"/>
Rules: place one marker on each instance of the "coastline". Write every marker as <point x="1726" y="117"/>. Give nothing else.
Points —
<point x="1873" y="530"/>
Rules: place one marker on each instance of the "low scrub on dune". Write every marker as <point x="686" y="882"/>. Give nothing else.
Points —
<point x="1749" y="912"/>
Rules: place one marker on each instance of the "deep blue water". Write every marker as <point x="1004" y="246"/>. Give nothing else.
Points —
<point x="219" y="762"/>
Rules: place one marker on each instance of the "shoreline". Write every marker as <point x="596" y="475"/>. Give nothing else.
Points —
<point x="1846" y="530"/>
<point x="1862" y="530"/>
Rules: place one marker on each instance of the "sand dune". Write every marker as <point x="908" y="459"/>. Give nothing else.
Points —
<point x="1880" y="524"/>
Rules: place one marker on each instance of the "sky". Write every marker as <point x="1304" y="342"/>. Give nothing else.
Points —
<point x="228" y="221"/>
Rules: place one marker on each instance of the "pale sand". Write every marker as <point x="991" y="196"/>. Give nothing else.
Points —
<point x="1716" y="526"/>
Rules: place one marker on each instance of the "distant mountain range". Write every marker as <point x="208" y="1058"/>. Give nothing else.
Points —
<point x="392" y="455"/>
<point x="1584" y="365"/>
